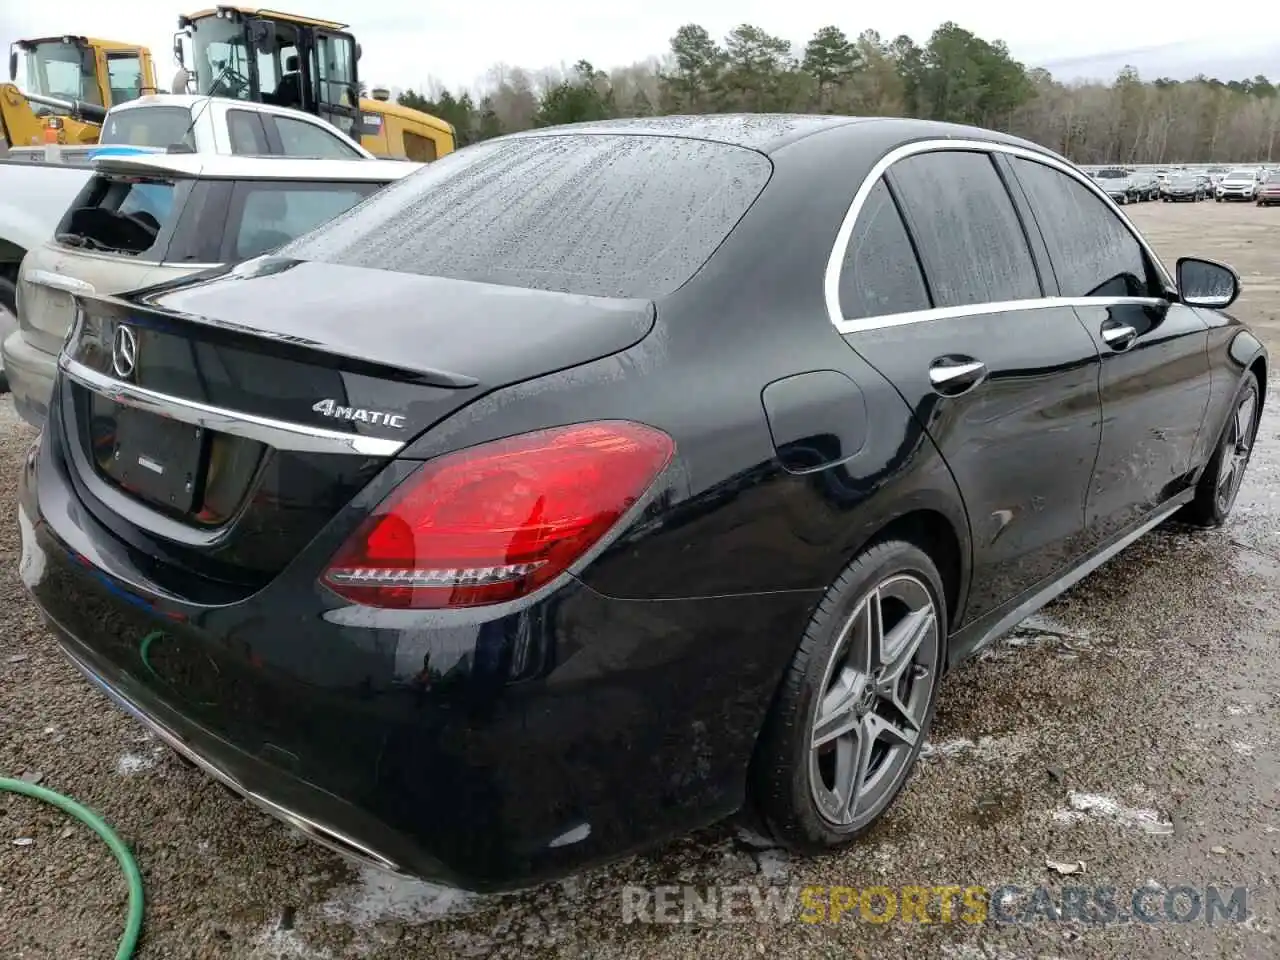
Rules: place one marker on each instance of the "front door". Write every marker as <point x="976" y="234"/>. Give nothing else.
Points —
<point x="1154" y="378"/>
<point x="941" y="294"/>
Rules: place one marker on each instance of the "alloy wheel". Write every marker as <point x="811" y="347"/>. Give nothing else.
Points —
<point x="1236" y="447"/>
<point x="876" y="697"/>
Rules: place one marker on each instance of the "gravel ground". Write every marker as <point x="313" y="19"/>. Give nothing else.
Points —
<point x="1134" y="725"/>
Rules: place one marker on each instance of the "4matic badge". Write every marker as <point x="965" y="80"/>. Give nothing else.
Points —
<point x="330" y="408"/>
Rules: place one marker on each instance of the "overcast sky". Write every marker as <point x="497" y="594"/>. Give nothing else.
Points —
<point x="407" y="43"/>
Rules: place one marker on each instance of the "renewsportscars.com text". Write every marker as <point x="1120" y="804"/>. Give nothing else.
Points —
<point x="1007" y="904"/>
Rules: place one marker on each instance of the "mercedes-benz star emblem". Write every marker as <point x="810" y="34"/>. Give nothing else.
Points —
<point x="124" y="352"/>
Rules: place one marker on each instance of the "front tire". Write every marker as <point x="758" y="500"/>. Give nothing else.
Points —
<point x="854" y="708"/>
<point x="1220" y="483"/>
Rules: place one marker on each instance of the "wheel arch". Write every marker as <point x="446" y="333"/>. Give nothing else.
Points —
<point x="934" y="533"/>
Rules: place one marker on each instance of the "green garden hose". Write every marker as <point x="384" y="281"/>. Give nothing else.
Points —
<point x="133" y="924"/>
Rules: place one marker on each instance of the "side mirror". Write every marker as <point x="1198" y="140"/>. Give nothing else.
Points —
<point x="262" y="34"/>
<point x="1204" y="283"/>
<point x="13" y="64"/>
<point x="359" y="51"/>
<point x="177" y="50"/>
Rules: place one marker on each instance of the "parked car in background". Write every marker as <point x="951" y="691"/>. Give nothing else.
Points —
<point x="1118" y="183"/>
<point x="1184" y="186"/>
<point x="201" y="124"/>
<point x="1269" y="190"/>
<point x="144" y="219"/>
<point x="1147" y="184"/>
<point x="1239" y="184"/>
<point x="484" y="554"/>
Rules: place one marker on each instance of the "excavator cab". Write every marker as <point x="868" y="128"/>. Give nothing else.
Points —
<point x="271" y="57"/>
<point x="102" y="73"/>
<point x="65" y="85"/>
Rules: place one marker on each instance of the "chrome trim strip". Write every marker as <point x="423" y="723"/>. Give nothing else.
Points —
<point x="328" y="837"/>
<point x="982" y="309"/>
<point x="278" y="434"/>
<point x="1072" y="577"/>
<point x="56" y="281"/>
<point x="835" y="262"/>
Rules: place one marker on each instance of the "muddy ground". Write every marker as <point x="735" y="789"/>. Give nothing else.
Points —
<point x="1133" y="729"/>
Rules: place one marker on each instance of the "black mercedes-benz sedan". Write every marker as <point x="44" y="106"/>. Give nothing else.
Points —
<point x="597" y="482"/>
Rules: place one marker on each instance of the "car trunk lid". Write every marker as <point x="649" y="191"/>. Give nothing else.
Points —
<point x="219" y="425"/>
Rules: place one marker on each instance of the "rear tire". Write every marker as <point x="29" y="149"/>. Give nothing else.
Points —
<point x="862" y="686"/>
<point x="1220" y="483"/>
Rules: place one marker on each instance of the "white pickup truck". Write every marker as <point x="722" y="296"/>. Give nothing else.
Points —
<point x="35" y="190"/>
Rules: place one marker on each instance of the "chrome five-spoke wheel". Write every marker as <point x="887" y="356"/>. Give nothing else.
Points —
<point x="1236" y="448"/>
<point x="854" y="707"/>
<point x="876" y="696"/>
<point x="1220" y="483"/>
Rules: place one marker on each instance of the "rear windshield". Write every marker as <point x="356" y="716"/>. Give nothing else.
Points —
<point x="125" y="215"/>
<point x="1112" y="174"/>
<point x="149" y="127"/>
<point x="273" y="213"/>
<point x="598" y="215"/>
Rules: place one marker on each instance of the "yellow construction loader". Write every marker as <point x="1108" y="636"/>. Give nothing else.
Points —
<point x="73" y="79"/>
<point x="294" y="61"/>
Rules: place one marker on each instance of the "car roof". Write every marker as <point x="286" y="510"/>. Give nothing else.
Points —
<point x="206" y="166"/>
<point x="191" y="101"/>
<point x="770" y="132"/>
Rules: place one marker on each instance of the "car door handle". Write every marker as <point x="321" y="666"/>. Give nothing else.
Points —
<point x="1118" y="335"/>
<point x="56" y="281"/>
<point x="951" y="376"/>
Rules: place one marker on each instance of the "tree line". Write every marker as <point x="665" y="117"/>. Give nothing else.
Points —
<point x="956" y="76"/>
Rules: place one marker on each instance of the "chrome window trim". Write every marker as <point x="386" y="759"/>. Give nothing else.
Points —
<point x="278" y="434"/>
<point x="981" y="309"/>
<point x="835" y="262"/>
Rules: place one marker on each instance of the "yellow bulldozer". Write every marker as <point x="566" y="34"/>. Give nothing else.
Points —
<point x="73" y="79"/>
<point x="294" y="61"/>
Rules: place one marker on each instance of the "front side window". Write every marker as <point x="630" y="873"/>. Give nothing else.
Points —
<point x="274" y="212"/>
<point x="881" y="274"/>
<point x="298" y="138"/>
<point x="1094" y="253"/>
<point x="966" y="229"/>
<point x="124" y="76"/>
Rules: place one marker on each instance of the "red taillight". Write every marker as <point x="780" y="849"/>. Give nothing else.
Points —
<point x="496" y="521"/>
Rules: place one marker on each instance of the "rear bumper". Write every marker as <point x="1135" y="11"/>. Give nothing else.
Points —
<point x="487" y="754"/>
<point x="30" y="372"/>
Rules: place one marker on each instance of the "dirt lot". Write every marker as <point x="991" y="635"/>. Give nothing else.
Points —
<point x="1133" y="726"/>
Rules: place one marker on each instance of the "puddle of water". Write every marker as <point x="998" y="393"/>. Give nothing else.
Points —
<point x="131" y="764"/>
<point x="378" y="895"/>
<point x="1095" y="806"/>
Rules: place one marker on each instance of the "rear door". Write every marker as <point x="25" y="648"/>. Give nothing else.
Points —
<point x="941" y="292"/>
<point x="1155" y="364"/>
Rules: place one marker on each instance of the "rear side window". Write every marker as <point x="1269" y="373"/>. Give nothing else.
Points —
<point x="881" y="274"/>
<point x="268" y="214"/>
<point x="248" y="135"/>
<point x="1094" y="254"/>
<point x="966" y="229"/>
<point x="129" y="216"/>
<point x="600" y="215"/>
<point x="149" y="127"/>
